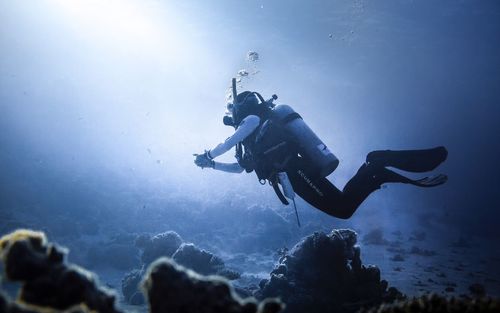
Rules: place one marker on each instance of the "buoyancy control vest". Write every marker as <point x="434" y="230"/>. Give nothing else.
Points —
<point x="281" y="136"/>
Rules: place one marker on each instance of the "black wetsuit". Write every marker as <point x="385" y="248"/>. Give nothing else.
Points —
<point x="322" y="194"/>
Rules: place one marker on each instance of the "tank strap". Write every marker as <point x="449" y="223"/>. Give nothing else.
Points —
<point x="259" y="96"/>
<point x="274" y="184"/>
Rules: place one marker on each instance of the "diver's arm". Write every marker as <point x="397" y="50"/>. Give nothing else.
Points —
<point x="246" y="127"/>
<point x="228" y="167"/>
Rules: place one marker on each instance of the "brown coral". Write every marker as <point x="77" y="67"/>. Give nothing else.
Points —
<point x="47" y="281"/>
<point x="324" y="273"/>
<point x="172" y="288"/>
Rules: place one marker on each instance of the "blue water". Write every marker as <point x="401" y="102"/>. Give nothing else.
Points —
<point x="103" y="103"/>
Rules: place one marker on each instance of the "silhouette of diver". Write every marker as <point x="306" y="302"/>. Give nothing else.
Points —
<point x="274" y="141"/>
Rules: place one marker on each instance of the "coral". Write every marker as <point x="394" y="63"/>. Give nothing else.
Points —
<point x="164" y="244"/>
<point x="202" y="262"/>
<point x="172" y="288"/>
<point x="398" y="258"/>
<point x="439" y="304"/>
<point x="130" y="287"/>
<point x="323" y="273"/>
<point x="46" y="280"/>
<point x="198" y="260"/>
<point x="375" y="237"/>
<point x="186" y="254"/>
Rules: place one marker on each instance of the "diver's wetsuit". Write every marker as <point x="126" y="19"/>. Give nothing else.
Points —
<point x="322" y="194"/>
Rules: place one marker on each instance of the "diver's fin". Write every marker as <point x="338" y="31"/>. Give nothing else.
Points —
<point x="409" y="160"/>
<point x="431" y="181"/>
<point x="384" y="175"/>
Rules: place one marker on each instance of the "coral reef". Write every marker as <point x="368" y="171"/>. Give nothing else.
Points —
<point x="435" y="303"/>
<point x="186" y="254"/>
<point x="172" y="288"/>
<point x="46" y="280"/>
<point x="202" y="262"/>
<point x="323" y="273"/>
<point x="164" y="244"/>
<point x="130" y="287"/>
<point x="49" y="284"/>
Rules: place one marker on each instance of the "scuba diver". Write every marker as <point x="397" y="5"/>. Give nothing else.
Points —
<point x="276" y="143"/>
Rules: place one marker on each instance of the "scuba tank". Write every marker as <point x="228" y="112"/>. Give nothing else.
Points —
<point x="305" y="142"/>
<point x="322" y="160"/>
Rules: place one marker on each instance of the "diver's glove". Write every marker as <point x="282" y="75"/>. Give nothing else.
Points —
<point x="204" y="160"/>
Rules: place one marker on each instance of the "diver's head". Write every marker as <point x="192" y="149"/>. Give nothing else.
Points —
<point x="246" y="98"/>
<point x="244" y="103"/>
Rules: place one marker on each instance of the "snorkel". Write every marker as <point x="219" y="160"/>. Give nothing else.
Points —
<point x="233" y="89"/>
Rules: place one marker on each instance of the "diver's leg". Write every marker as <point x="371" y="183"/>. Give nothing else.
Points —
<point x="320" y="193"/>
<point x="409" y="160"/>
<point x="367" y="179"/>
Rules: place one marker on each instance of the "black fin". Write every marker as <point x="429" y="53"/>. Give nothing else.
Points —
<point x="409" y="160"/>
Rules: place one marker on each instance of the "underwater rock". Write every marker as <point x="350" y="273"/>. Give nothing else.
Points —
<point x="186" y="254"/>
<point x="130" y="287"/>
<point x="398" y="258"/>
<point x="46" y="280"/>
<point x="422" y="252"/>
<point x="164" y="244"/>
<point x="324" y="273"/>
<point x="438" y="304"/>
<point x="375" y="237"/>
<point x="172" y="288"/>
<point x="228" y="273"/>
<point x="202" y="262"/>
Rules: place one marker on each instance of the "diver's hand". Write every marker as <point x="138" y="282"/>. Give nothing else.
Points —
<point x="203" y="160"/>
